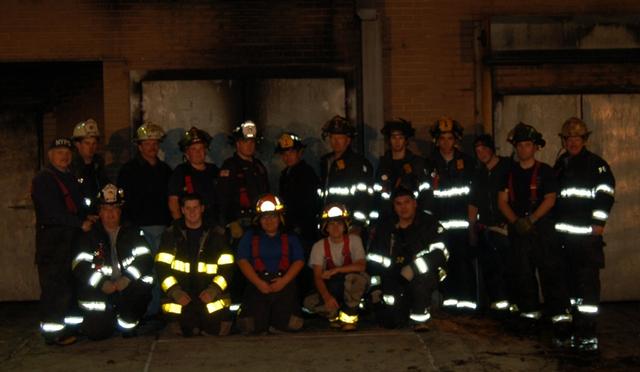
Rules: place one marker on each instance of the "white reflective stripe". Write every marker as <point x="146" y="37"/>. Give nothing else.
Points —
<point x="94" y="279"/>
<point x="588" y="309"/>
<point x="73" y="320"/>
<point x="139" y="251"/>
<point x="577" y="192"/>
<point x="389" y="299"/>
<point x="361" y="187"/>
<point x="377" y="187"/>
<point x="87" y="202"/>
<point x="385" y="196"/>
<point x="466" y="305"/>
<point x="440" y="246"/>
<point x="82" y="256"/>
<point x="370" y="190"/>
<point x="338" y="191"/>
<point x="500" y="305"/>
<point x="421" y="264"/>
<point x="600" y="215"/>
<point x="375" y="280"/>
<point x="561" y="318"/>
<point x="51" y="327"/>
<point x="531" y="315"/>
<point x="141" y="233"/>
<point x="147" y="279"/>
<point x="450" y="302"/>
<point x="126" y="325"/>
<point x="135" y="273"/>
<point x="455" y="224"/>
<point x="127" y="261"/>
<point x="106" y="270"/>
<point x="575" y="301"/>
<point x="606" y="189"/>
<point x="572" y="229"/>
<point x="349" y="319"/>
<point x="320" y="193"/>
<point x="93" y="305"/>
<point x="374" y="215"/>
<point x="452" y="192"/>
<point x="234" y="307"/>
<point x="424" y="186"/>
<point x="384" y="261"/>
<point x="359" y="216"/>
<point x="421" y="318"/>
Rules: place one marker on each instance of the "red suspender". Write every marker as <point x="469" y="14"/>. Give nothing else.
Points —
<point x="346" y="253"/>
<point x="188" y="184"/>
<point x="68" y="200"/>
<point x="258" y="264"/>
<point x="533" y="185"/>
<point x="436" y="182"/>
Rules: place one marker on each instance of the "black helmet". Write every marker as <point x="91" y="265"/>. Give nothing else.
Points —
<point x="338" y="125"/>
<point x="194" y="135"/>
<point x="524" y="132"/>
<point x="445" y="125"/>
<point x="485" y="140"/>
<point x="399" y="125"/>
<point x="245" y="131"/>
<point x="288" y="141"/>
<point x="111" y="194"/>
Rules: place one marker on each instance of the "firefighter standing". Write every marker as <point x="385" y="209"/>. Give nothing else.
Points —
<point x="344" y="175"/>
<point x="195" y="267"/>
<point x="399" y="166"/>
<point x="144" y="180"/>
<point x="338" y="263"/>
<point x="112" y="267"/>
<point x="587" y="189"/>
<point x="406" y="260"/>
<point x="451" y="175"/>
<point x="195" y="175"/>
<point x="87" y="165"/>
<point x="59" y="218"/>
<point x="488" y="228"/>
<point x="526" y="200"/>
<point x="270" y="260"/>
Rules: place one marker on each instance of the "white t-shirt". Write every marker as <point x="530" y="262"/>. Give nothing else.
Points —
<point x="317" y="252"/>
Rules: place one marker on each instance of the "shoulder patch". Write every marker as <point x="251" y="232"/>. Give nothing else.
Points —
<point x="224" y="173"/>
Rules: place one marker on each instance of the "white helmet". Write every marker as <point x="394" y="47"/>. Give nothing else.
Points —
<point x="88" y="128"/>
<point x="149" y="131"/>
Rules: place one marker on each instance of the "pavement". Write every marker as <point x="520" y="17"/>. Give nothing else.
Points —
<point x="454" y="343"/>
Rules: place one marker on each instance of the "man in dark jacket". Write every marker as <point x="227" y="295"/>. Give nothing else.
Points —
<point x="112" y="267"/>
<point x="195" y="267"/>
<point x="59" y="219"/>
<point x="406" y="261"/>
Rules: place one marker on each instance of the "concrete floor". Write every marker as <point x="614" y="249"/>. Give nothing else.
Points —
<point x="453" y="344"/>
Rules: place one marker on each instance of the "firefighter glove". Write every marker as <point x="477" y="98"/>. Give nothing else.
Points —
<point x="122" y="283"/>
<point x="407" y="273"/>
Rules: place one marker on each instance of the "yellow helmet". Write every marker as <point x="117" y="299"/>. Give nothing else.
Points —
<point x="446" y="125"/>
<point x="574" y="127"/>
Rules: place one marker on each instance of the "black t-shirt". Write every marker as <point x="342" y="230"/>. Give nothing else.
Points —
<point x="203" y="182"/>
<point x="520" y="197"/>
<point x="484" y="193"/>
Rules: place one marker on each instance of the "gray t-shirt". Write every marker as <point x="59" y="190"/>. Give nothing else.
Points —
<point x="317" y="252"/>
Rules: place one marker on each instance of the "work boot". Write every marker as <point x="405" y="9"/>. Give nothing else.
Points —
<point x="421" y="327"/>
<point x="62" y="340"/>
<point x="562" y="337"/>
<point x="348" y="327"/>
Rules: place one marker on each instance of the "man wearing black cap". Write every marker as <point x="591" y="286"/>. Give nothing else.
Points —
<point x="243" y="179"/>
<point x="112" y="266"/>
<point x="59" y="218"/>
<point x="488" y="227"/>
<point x="451" y="175"/>
<point x="195" y="175"/>
<point x="526" y="198"/>
<point x="406" y="260"/>
<point x="346" y="176"/>
<point x="398" y="166"/>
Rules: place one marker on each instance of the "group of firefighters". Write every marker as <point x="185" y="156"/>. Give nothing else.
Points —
<point x="214" y="252"/>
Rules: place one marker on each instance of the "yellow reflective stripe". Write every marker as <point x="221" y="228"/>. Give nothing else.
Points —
<point x="225" y="259"/>
<point x="207" y="268"/>
<point x="212" y="307"/>
<point x="178" y="265"/>
<point x="172" y="308"/>
<point x="165" y="257"/>
<point x="350" y="319"/>
<point x="168" y="283"/>
<point x="220" y="281"/>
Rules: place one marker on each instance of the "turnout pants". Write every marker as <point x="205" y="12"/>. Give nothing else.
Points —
<point x="493" y="259"/>
<point x="459" y="287"/>
<point x="401" y="300"/>
<point x="260" y="311"/>
<point x="196" y="315"/>
<point x="347" y="289"/>
<point x="122" y="310"/>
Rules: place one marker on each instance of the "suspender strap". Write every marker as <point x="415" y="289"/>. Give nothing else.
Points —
<point x="258" y="264"/>
<point x="188" y="184"/>
<point x="533" y="185"/>
<point x="346" y="253"/>
<point x="68" y="200"/>
<point x="284" y="258"/>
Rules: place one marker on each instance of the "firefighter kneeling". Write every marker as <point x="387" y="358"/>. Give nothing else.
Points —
<point x="338" y="264"/>
<point x="113" y="267"/>
<point x="406" y="261"/>
<point x="270" y="260"/>
<point x="194" y="267"/>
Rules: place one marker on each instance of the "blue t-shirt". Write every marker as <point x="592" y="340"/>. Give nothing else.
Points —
<point x="270" y="249"/>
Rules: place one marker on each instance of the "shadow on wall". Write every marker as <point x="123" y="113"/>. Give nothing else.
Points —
<point x="117" y="151"/>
